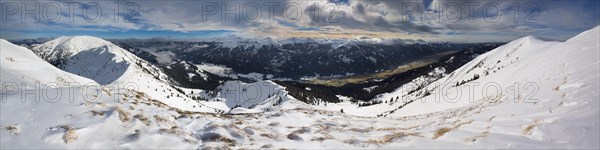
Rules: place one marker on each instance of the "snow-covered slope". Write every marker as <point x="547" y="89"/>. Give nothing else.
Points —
<point x="239" y="97"/>
<point x="90" y="57"/>
<point x="524" y="93"/>
<point x="63" y="48"/>
<point x="562" y="111"/>
<point x="20" y="65"/>
<point x="537" y="67"/>
<point x="113" y="66"/>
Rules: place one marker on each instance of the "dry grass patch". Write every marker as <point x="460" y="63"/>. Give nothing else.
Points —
<point x="215" y="137"/>
<point x="561" y="103"/>
<point x="352" y="141"/>
<point x="267" y="135"/>
<point x="124" y="115"/>
<point x="13" y="129"/>
<point x="175" y="130"/>
<point x="10" y="59"/>
<point x="143" y="119"/>
<point x="529" y="129"/>
<point x="238" y="122"/>
<point x="396" y="128"/>
<point x="391" y="137"/>
<point x="440" y="132"/>
<point x="295" y="137"/>
<point x="160" y="118"/>
<point x="107" y="91"/>
<point x="87" y="104"/>
<point x="463" y="123"/>
<point x="274" y="124"/>
<point x="325" y="136"/>
<point x="96" y="113"/>
<point x="302" y="130"/>
<point x="365" y="130"/>
<point x="165" y="121"/>
<point x="268" y="146"/>
<point x="70" y="134"/>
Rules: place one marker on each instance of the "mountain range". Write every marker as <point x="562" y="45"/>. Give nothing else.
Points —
<point x="87" y="92"/>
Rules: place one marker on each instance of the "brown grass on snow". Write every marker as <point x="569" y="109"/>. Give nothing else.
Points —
<point x="391" y="137"/>
<point x="70" y="134"/>
<point x="124" y="115"/>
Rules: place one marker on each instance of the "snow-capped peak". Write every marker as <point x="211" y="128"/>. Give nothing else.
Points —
<point x="111" y="65"/>
<point x="91" y="57"/>
<point x="67" y="46"/>
<point x="20" y="65"/>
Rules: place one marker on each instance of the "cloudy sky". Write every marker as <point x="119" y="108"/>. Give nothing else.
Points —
<point x="436" y="20"/>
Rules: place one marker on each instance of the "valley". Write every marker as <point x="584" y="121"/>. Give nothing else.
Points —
<point x="355" y="79"/>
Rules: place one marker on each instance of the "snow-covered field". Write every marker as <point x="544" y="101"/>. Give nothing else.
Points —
<point x="528" y="93"/>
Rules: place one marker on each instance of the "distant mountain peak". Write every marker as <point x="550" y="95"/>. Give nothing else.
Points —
<point x="91" y="57"/>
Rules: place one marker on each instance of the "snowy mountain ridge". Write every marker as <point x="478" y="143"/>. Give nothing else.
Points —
<point x="114" y="67"/>
<point x="67" y="46"/>
<point x="111" y="65"/>
<point x="19" y="65"/>
<point x="89" y="57"/>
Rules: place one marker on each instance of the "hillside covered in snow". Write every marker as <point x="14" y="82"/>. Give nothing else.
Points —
<point x="528" y="93"/>
<point x="20" y="65"/>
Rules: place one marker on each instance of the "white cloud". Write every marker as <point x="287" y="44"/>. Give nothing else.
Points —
<point x="164" y="57"/>
<point x="371" y="16"/>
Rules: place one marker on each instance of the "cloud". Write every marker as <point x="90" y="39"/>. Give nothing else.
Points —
<point x="164" y="57"/>
<point x="423" y="19"/>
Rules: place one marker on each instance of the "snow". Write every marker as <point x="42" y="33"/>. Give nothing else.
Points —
<point x="191" y="75"/>
<point x="372" y="59"/>
<point x="369" y="89"/>
<point x="556" y="92"/>
<point x="75" y="53"/>
<point x="345" y="59"/>
<point x="115" y="67"/>
<point x="565" y="114"/>
<point x="343" y="98"/>
<point x="19" y="65"/>
<point x="250" y="97"/>
<point x="253" y="75"/>
<point x="219" y="70"/>
<point x="66" y="46"/>
<point x="200" y="46"/>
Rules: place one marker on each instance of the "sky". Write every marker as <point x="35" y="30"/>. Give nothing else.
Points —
<point x="430" y="20"/>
